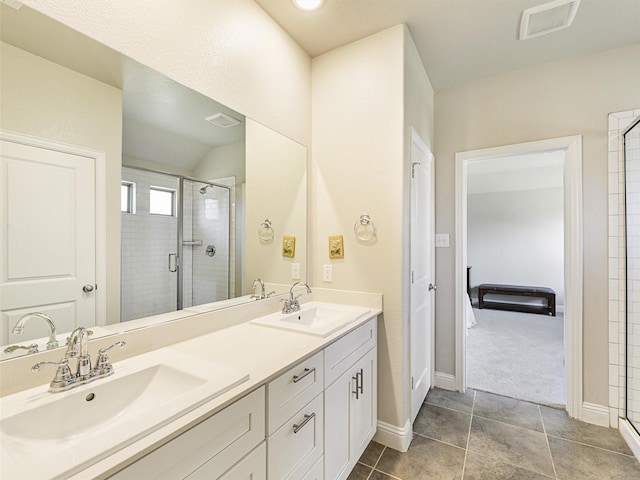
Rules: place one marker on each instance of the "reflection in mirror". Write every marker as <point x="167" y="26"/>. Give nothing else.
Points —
<point x="136" y="137"/>
<point x="631" y="137"/>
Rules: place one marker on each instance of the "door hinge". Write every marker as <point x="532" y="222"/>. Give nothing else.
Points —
<point x="411" y="276"/>
<point x="412" y="383"/>
<point x="413" y="169"/>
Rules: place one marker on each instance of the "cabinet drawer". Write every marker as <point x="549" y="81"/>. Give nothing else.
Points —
<point x="293" y="390"/>
<point x="339" y="356"/>
<point x="297" y="446"/>
<point x="251" y="467"/>
<point x="316" y="472"/>
<point x="217" y="443"/>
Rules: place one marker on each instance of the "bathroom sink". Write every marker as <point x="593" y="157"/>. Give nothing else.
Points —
<point x="315" y="318"/>
<point x="73" y="429"/>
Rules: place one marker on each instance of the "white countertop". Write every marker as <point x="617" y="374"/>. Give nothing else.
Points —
<point x="261" y="352"/>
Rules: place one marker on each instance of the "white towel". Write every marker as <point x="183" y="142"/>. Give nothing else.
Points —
<point x="470" y="317"/>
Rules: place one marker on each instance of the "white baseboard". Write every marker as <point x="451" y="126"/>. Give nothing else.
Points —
<point x="595" y="414"/>
<point x="630" y="436"/>
<point x="444" y="381"/>
<point x="398" y="438"/>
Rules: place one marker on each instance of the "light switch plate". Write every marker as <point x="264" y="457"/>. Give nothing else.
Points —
<point x="327" y="273"/>
<point x="442" y="240"/>
<point x="295" y="271"/>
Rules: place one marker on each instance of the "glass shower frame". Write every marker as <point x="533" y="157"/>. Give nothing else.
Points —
<point x="631" y="148"/>
<point x="179" y="246"/>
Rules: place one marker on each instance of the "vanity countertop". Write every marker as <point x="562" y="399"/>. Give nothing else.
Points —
<point x="260" y="351"/>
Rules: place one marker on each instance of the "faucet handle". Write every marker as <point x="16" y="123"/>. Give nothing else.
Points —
<point x="103" y="367"/>
<point x="63" y="378"/>
<point x="33" y="348"/>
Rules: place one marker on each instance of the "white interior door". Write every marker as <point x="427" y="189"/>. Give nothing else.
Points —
<point x="48" y="238"/>
<point x="422" y="272"/>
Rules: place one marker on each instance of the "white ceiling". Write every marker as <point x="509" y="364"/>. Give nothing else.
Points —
<point x="461" y="40"/>
<point x="163" y="121"/>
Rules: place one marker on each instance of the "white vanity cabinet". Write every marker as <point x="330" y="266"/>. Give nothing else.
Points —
<point x="295" y="421"/>
<point x="350" y="399"/>
<point x="211" y="448"/>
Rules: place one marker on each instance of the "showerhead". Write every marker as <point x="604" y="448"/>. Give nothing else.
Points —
<point x="203" y="190"/>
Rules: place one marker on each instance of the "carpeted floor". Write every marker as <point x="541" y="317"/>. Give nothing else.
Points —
<point x="519" y="355"/>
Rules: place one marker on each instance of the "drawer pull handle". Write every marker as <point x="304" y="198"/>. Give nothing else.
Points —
<point x="307" y="371"/>
<point x="307" y="419"/>
<point x="357" y="390"/>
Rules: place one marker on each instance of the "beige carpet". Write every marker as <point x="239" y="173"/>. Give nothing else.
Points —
<point x="519" y="355"/>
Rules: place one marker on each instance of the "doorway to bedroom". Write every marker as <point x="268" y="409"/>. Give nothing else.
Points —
<point x="515" y="256"/>
<point x="518" y="255"/>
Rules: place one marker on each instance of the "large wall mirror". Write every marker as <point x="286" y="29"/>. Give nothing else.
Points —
<point x="128" y="199"/>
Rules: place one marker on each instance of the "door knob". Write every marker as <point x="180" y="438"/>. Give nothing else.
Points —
<point x="88" y="288"/>
<point x="433" y="286"/>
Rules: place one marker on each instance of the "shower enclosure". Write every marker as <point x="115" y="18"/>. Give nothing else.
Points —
<point x="177" y="244"/>
<point x="631" y="141"/>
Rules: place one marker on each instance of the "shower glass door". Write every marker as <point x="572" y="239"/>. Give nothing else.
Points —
<point x="631" y="138"/>
<point x="205" y="244"/>
<point x="177" y="243"/>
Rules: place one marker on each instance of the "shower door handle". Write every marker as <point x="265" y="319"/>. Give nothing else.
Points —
<point x="173" y="266"/>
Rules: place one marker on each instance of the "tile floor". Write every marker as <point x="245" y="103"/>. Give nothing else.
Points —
<point x="482" y="436"/>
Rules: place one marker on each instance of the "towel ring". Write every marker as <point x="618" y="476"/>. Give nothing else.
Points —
<point x="265" y="231"/>
<point x="365" y="229"/>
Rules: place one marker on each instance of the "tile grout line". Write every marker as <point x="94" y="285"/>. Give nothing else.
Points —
<point x="546" y="439"/>
<point x="466" y="450"/>
<point x="589" y="445"/>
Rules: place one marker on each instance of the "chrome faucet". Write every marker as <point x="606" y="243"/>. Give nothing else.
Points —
<point x="263" y="295"/>
<point x="80" y="336"/>
<point x="291" y="304"/>
<point x="19" y="328"/>
<point x="78" y="347"/>
<point x="256" y="282"/>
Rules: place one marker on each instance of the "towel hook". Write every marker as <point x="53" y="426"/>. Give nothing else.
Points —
<point x="365" y="229"/>
<point x="265" y="231"/>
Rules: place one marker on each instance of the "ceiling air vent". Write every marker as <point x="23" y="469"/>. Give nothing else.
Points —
<point x="222" y="120"/>
<point x="548" y="18"/>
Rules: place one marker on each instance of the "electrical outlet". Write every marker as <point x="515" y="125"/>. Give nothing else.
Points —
<point x="295" y="271"/>
<point x="327" y="273"/>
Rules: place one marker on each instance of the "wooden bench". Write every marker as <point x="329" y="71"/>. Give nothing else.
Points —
<point x="518" y="291"/>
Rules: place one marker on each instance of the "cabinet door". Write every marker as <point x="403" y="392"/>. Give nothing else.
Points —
<point x="337" y="407"/>
<point x="351" y="418"/>
<point x="364" y="409"/>
<point x="251" y="467"/>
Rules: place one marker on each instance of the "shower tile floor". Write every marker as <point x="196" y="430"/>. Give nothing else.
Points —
<point x="482" y="436"/>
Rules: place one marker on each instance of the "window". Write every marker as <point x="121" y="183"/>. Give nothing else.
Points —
<point x="162" y="201"/>
<point x="128" y="197"/>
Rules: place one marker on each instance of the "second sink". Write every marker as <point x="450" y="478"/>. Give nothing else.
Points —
<point x="315" y="318"/>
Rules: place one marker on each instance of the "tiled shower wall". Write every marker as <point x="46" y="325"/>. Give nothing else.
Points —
<point x="147" y="286"/>
<point x="208" y="279"/>
<point x="618" y="122"/>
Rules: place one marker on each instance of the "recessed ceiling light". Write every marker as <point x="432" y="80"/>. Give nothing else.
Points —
<point x="308" y="5"/>
<point x="547" y="18"/>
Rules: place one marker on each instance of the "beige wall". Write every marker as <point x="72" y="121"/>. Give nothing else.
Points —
<point x="231" y="51"/>
<point x="274" y="160"/>
<point x="223" y="161"/>
<point x="43" y="99"/>
<point x="359" y="141"/>
<point x="568" y="97"/>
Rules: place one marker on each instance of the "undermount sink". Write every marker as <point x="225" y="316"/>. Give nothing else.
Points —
<point x="73" y="429"/>
<point x="315" y="318"/>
